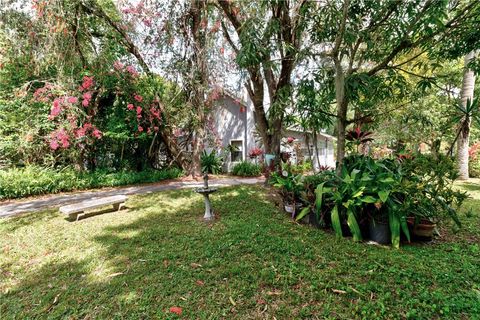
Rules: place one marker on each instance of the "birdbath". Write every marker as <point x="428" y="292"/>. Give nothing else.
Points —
<point x="205" y="191"/>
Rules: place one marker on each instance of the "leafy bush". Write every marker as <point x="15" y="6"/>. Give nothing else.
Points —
<point x="302" y="167"/>
<point x="474" y="168"/>
<point x="211" y="163"/>
<point x="34" y="180"/>
<point x="474" y="160"/>
<point x="289" y="185"/>
<point x="247" y="169"/>
<point x="384" y="190"/>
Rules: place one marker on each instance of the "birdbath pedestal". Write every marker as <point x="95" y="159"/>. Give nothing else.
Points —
<point x="205" y="191"/>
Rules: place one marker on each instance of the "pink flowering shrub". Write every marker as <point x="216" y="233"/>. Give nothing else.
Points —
<point x="73" y="127"/>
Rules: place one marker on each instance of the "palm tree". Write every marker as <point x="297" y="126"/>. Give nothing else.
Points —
<point x="468" y="85"/>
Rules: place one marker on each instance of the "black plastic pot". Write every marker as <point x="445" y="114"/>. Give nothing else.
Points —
<point x="313" y="219"/>
<point x="379" y="232"/>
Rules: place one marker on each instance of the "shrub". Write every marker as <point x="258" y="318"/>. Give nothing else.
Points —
<point x="474" y="168"/>
<point x="302" y="167"/>
<point x="247" y="169"/>
<point x="474" y="160"/>
<point x="34" y="180"/>
<point x="385" y="190"/>
<point x="211" y="163"/>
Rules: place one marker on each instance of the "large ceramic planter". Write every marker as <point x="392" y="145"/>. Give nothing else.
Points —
<point x="423" y="229"/>
<point x="379" y="232"/>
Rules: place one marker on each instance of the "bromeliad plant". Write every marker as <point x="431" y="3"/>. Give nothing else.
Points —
<point x="358" y="137"/>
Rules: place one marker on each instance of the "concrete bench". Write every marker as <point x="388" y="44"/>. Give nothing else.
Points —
<point x="74" y="210"/>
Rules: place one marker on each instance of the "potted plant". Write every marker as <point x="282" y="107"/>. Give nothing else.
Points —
<point x="315" y="197"/>
<point x="289" y="186"/>
<point x="429" y="196"/>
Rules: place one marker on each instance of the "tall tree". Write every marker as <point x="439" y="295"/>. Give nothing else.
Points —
<point x="266" y="38"/>
<point x="362" y="41"/>
<point x="468" y="86"/>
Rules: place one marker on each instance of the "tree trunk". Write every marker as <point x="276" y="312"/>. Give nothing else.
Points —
<point x="468" y="85"/>
<point x="307" y="143"/>
<point x="342" y="106"/>
<point x="174" y="148"/>
<point x="199" y="80"/>
<point x="197" y="148"/>
<point x="315" y="144"/>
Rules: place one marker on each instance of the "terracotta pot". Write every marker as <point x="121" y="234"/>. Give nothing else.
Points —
<point x="424" y="228"/>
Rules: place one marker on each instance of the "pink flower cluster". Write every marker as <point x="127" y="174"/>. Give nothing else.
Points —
<point x="59" y="138"/>
<point x="87" y="97"/>
<point x="139" y="112"/>
<point x="43" y="94"/>
<point x="86" y="83"/>
<point x="56" y="108"/>
<point x="88" y="128"/>
<point x="131" y="69"/>
<point x="473" y="151"/>
<point x="119" y="66"/>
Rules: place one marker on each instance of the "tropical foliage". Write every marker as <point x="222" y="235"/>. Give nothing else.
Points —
<point x="246" y="169"/>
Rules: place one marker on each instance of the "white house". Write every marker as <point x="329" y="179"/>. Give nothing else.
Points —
<point x="234" y="123"/>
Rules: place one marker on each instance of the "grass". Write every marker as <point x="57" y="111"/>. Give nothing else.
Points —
<point x="252" y="263"/>
<point x="34" y="180"/>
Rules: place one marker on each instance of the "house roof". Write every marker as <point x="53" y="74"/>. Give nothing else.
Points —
<point x="320" y="134"/>
<point x="234" y="96"/>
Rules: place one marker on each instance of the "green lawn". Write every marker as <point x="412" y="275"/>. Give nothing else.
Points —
<point x="252" y="263"/>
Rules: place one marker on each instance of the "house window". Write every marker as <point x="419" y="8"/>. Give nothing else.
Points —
<point x="237" y="150"/>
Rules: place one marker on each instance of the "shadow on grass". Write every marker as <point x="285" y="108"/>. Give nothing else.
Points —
<point x="25" y="219"/>
<point x="252" y="263"/>
<point x="152" y="263"/>
<point x="468" y="186"/>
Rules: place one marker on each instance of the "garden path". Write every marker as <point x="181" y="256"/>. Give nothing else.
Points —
<point x="14" y="207"/>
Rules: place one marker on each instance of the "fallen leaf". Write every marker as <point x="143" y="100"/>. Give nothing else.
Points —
<point x="356" y="291"/>
<point x="339" y="291"/>
<point x="176" y="310"/>
<point x="55" y="301"/>
<point x="261" y="301"/>
<point x="231" y="301"/>
<point x="195" y="265"/>
<point x="114" y="274"/>
<point x="274" y="293"/>
<point x="200" y="282"/>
